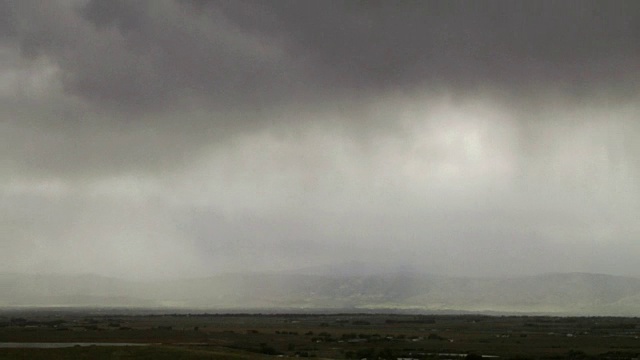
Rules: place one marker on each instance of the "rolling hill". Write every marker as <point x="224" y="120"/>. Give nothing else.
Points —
<point x="560" y="294"/>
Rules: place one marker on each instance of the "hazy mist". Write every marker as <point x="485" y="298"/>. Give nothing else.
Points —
<point x="167" y="139"/>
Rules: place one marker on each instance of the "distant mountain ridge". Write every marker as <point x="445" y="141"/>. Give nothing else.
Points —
<point x="560" y="293"/>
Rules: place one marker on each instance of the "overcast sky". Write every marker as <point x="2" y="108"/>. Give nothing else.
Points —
<point x="158" y="138"/>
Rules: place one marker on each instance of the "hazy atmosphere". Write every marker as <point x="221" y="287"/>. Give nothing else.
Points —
<point x="167" y="139"/>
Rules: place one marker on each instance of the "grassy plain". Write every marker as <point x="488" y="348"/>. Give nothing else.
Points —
<point x="324" y="336"/>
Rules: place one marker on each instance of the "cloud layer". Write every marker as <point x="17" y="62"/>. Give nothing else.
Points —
<point x="183" y="138"/>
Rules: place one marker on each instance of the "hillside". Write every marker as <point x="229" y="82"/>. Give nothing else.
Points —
<point x="562" y="294"/>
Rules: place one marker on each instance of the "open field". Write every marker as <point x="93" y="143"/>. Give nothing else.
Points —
<point x="328" y="336"/>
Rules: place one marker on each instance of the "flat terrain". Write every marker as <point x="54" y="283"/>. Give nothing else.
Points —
<point x="327" y="336"/>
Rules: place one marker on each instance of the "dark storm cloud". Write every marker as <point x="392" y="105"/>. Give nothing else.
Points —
<point x="378" y="46"/>
<point x="239" y="54"/>
<point x="148" y="54"/>
<point x="147" y="84"/>
<point x="280" y="132"/>
<point x="453" y="44"/>
<point x="7" y="26"/>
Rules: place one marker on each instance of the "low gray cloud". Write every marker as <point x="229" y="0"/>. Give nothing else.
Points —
<point x="145" y="55"/>
<point x="244" y="53"/>
<point x="198" y="137"/>
<point x="368" y="46"/>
